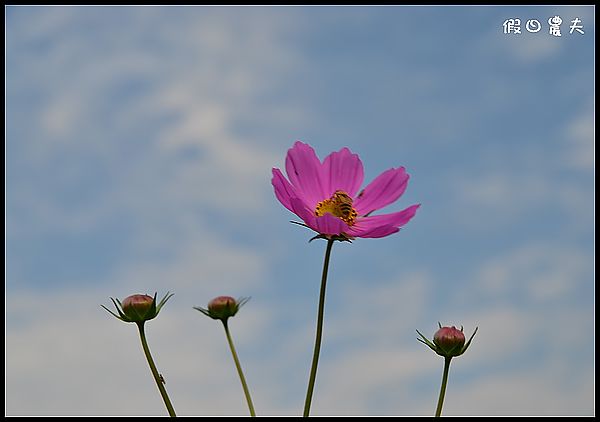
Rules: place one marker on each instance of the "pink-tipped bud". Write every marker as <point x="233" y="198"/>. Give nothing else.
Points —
<point x="222" y="307"/>
<point x="448" y="342"/>
<point x="138" y="308"/>
<point x="450" y="339"/>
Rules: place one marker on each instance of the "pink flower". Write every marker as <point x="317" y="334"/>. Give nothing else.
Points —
<point x="325" y="195"/>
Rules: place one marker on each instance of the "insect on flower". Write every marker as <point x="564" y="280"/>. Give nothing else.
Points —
<point x="339" y="205"/>
<point x="324" y="194"/>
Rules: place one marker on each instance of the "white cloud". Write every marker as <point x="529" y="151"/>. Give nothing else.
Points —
<point x="207" y="268"/>
<point x="372" y="379"/>
<point x="93" y="364"/>
<point x="504" y="193"/>
<point x="521" y="362"/>
<point x="530" y="392"/>
<point x="169" y="198"/>
<point x="535" y="272"/>
<point x="494" y="198"/>
<point x="184" y="191"/>
<point x="371" y="362"/>
<point x="532" y="49"/>
<point x="372" y="309"/>
<point x="61" y="117"/>
<point x="579" y="143"/>
<point x="196" y="158"/>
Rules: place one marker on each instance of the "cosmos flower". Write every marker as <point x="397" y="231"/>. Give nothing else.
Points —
<point x="326" y="196"/>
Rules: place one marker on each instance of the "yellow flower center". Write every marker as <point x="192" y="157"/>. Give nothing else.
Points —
<point x="339" y="205"/>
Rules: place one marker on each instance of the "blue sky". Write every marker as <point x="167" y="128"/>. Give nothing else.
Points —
<point x="140" y="142"/>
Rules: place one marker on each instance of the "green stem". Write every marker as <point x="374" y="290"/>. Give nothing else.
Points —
<point x="157" y="377"/>
<point x="239" y="369"/>
<point x="438" y="411"/>
<point x="315" y="360"/>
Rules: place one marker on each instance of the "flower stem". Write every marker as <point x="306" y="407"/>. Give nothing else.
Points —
<point x="157" y="377"/>
<point x="438" y="411"/>
<point x="239" y="369"/>
<point x="315" y="360"/>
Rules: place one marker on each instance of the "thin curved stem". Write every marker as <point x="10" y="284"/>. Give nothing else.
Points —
<point x="319" y="335"/>
<point x="438" y="410"/>
<point x="239" y="369"/>
<point x="157" y="377"/>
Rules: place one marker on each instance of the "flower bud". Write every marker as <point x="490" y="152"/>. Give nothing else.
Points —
<point x="138" y="307"/>
<point x="450" y="340"/>
<point x="222" y="307"/>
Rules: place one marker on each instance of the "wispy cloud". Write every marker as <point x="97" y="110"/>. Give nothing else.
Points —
<point x="538" y="272"/>
<point x="370" y="350"/>
<point x="579" y="145"/>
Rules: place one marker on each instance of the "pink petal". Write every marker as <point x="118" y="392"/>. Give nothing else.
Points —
<point x="283" y="189"/>
<point x="300" y="208"/>
<point x="396" y="219"/>
<point x="385" y="189"/>
<point x="342" y="170"/>
<point x="327" y="224"/>
<point x="304" y="170"/>
<point x="383" y="224"/>
<point x="376" y="232"/>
